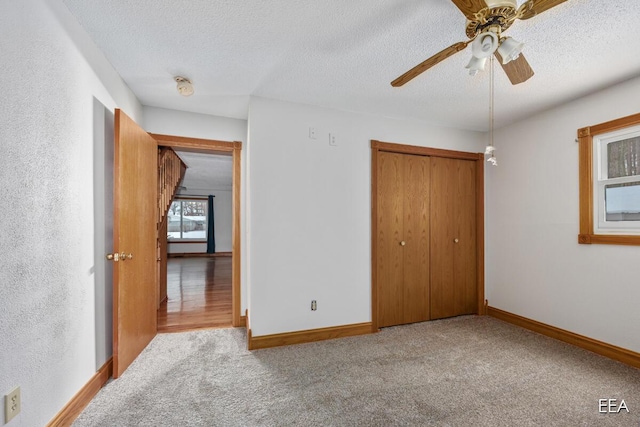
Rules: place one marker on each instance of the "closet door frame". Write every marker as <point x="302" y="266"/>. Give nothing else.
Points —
<point x="379" y="146"/>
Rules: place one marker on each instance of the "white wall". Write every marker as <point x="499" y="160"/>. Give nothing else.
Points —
<point x="193" y="125"/>
<point x="535" y="267"/>
<point x="309" y="209"/>
<point x="53" y="72"/>
<point x="103" y="174"/>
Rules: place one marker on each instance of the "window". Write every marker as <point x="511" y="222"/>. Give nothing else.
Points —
<point x="610" y="182"/>
<point x="187" y="220"/>
<point x="617" y="179"/>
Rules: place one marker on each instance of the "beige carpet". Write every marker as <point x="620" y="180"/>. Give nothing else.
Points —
<point x="465" y="371"/>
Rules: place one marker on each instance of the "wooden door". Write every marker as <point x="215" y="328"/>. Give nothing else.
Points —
<point x="465" y="250"/>
<point x="453" y="237"/>
<point x="416" y="238"/>
<point x="162" y="255"/>
<point x="390" y="234"/>
<point x="134" y="236"/>
<point x="402" y="238"/>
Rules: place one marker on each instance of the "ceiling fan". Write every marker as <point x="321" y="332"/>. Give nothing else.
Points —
<point x="486" y="21"/>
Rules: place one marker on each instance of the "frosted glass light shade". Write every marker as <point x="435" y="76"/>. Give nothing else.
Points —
<point x="510" y="49"/>
<point x="475" y="65"/>
<point x="485" y="44"/>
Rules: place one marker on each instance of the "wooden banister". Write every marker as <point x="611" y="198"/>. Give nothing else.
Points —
<point x="171" y="170"/>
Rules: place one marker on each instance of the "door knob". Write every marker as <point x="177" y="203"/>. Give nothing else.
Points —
<point x="402" y="243"/>
<point x="455" y="240"/>
<point x="113" y="257"/>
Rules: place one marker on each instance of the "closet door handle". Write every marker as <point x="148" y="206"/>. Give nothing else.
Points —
<point x="455" y="240"/>
<point x="402" y="243"/>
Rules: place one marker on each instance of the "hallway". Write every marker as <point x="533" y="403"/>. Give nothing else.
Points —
<point x="198" y="294"/>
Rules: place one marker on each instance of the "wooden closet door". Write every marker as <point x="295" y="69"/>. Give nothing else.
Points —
<point x="442" y="235"/>
<point x="464" y="256"/>
<point x="417" y="174"/>
<point x="453" y="237"/>
<point x="403" y="238"/>
<point x="390" y="228"/>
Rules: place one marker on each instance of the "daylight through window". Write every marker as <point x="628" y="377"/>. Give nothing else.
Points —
<point x="187" y="220"/>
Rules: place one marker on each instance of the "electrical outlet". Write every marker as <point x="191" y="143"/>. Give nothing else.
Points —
<point x="314" y="305"/>
<point x="11" y="404"/>
<point x="312" y="133"/>
<point x="333" y="139"/>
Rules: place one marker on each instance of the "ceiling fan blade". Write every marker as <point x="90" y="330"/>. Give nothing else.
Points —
<point x="536" y="7"/>
<point x="518" y="70"/>
<point x="470" y="7"/>
<point x="424" y="66"/>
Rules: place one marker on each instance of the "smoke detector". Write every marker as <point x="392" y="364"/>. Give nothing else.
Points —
<point x="184" y="86"/>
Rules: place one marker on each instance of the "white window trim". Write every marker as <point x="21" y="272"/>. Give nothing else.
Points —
<point x="600" y="180"/>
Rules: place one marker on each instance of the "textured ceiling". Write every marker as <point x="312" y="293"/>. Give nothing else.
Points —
<point x="205" y="173"/>
<point x="343" y="54"/>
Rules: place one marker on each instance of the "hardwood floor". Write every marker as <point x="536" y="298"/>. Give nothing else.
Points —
<point x="198" y="294"/>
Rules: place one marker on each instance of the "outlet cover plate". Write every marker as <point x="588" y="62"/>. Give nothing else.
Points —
<point x="11" y="404"/>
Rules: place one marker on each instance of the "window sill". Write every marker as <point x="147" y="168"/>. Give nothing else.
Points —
<point x="608" y="239"/>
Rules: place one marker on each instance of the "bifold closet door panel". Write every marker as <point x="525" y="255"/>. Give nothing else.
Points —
<point x="464" y="256"/>
<point x="390" y="229"/>
<point x="417" y="174"/>
<point x="443" y="188"/>
<point x="453" y="237"/>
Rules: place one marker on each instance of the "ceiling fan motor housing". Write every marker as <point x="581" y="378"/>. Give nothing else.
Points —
<point x="501" y="3"/>
<point x="497" y="16"/>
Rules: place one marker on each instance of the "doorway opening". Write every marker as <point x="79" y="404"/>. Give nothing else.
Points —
<point x="202" y="285"/>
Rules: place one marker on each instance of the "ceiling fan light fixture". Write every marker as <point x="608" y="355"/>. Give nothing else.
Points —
<point x="475" y="65"/>
<point x="184" y="86"/>
<point x="510" y="49"/>
<point x="485" y="44"/>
